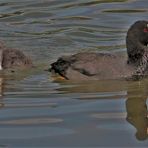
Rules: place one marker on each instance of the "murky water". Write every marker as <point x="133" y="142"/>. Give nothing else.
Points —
<point x="37" y="111"/>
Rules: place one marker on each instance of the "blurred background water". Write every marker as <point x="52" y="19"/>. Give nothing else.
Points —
<point x="37" y="111"/>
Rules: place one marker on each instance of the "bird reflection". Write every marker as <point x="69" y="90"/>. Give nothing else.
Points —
<point x="137" y="110"/>
<point x="135" y="103"/>
<point x="1" y="92"/>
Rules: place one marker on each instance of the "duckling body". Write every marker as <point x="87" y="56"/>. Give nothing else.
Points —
<point x="12" y="58"/>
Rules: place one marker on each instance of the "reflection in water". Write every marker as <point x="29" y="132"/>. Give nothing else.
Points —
<point x="137" y="111"/>
<point x="1" y="92"/>
<point x="22" y="105"/>
<point x="135" y="92"/>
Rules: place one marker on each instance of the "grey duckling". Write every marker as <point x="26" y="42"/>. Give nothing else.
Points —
<point x="13" y="58"/>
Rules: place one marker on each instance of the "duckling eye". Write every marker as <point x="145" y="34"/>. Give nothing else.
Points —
<point x="146" y="28"/>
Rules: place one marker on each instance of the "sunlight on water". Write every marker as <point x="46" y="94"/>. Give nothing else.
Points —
<point x="39" y="111"/>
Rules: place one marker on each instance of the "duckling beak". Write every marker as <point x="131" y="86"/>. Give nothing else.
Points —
<point x="58" y="77"/>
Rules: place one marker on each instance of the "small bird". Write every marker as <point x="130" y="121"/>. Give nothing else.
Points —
<point x="98" y="66"/>
<point x="12" y="58"/>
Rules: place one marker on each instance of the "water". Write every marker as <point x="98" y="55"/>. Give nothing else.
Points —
<point x="36" y="110"/>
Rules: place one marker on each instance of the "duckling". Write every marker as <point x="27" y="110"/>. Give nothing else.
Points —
<point x="12" y="58"/>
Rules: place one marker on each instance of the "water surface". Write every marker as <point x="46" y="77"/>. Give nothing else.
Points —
<point x="37" y="111"/>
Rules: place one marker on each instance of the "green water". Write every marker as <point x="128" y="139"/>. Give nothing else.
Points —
<point x="37" y="111"/>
